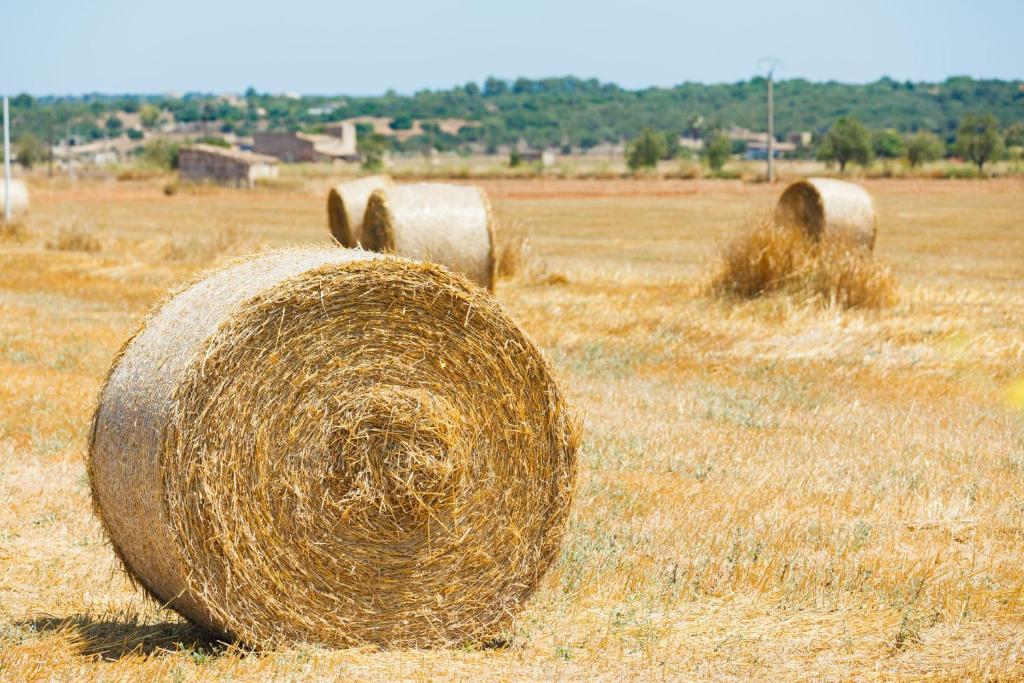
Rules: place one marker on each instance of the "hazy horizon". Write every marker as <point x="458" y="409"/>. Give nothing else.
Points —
<point x="320" y="48"/>
<point x="480" y="82"/>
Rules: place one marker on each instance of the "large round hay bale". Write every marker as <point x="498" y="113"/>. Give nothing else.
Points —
<point x="334" y="446"/>
<point x="18" y="197"/>
<point x="822" y="206"/>
<point x="346" y="206"/>
<point x="447" y="224"/>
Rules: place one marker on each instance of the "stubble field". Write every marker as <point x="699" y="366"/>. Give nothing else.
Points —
<point x="769" y="489"/>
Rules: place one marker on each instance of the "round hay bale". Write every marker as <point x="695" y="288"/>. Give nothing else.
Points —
<point x="346" y="205"/>
<point x="821" y="206"/>
<point x="334" y="446"/>
<point x="447" y="224"/>
<point x="19" y="197"/>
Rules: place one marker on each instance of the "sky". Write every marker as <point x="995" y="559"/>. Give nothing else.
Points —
<point x="371" y="46"/>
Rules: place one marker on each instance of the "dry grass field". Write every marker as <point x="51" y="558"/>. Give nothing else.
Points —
<point x="769" y="489"/>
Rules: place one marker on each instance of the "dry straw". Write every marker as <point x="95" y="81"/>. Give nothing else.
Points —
<point x="822" y="206"/>
<point x="346" y="205"/>
<point x="337" y="447"/>
<point x="769" y="257"/>
<point x="18" y="197"/>
<point x="447" y="224"/>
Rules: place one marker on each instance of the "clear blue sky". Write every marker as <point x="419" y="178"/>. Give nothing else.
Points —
<point x="369" y="46"/>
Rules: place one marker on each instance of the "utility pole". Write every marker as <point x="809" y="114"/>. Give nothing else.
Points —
<point x="49" y="147"/>
<point x="771" y="64"/>
<point x="7" y="162"/>
<point x="771" y="130"/>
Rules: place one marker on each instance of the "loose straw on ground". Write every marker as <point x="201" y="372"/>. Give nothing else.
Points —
<point x="346" y="206"/>
<point x="822" y="206"/>
<point x="337" y="447"/>
<point x="447" y="224"/>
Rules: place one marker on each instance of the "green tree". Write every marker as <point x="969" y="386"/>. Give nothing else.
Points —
<point x="672" y="146"/>
<point x="922" y="147"/>
<point x="847" y="140"/>
<point x="403" y="122"/>
<point x="887" y="144"/>
<point x="372" y="148"/>
<point x="978" y="139"/>
<point x="28" y="150"/>
<point x="1015" y="135"/>
<point x="646" y="150"/>
<point x="494" y="87"/>
<point x="717" y="151"/>
<point x="149" y="115"/>
<point x="160" y="153"/>
<point x="113" y="125"/>
<point x="215" y="141"/>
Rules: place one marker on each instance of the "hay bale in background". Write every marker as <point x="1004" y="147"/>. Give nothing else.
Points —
<point x="334" y="446"/>
<point x="19" y="197"/>
<point x="346" y="206"/>
<point x="447" y="224"/>
<point x="821" y="206"/>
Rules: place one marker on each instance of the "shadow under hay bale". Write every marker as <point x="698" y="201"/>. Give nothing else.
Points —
<point x="447" y="224"/>
<point x="116" y="636"/>
<point x="337" y="447"/>
<point x="18" y="198"/>
<point x="831" y="270"/>
<point x="823" y="206"/>
<point x="346" y="206"/>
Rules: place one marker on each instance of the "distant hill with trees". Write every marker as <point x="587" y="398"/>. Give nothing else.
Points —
<point x="561" y="112"/>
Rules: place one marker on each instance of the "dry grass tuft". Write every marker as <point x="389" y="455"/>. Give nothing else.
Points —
<point x="513" y="257"/>
<point x="202" y="249"/>
<point x="14" y="231"/>
<point x="75" y="239"/>
<point x="779" y="258"/>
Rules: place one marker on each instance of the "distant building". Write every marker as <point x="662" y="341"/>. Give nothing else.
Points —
<point x="756" y="144"/>
<point x="546" y="157"/>
<point x="344" y="131"/>
<point x="693" y="144"/>
<point x="223" y="166"/>
<point x="104" y="152"/>
<point x="802" y="138"/>
<point x="531" y="155"/>
<point x="759" y="150"/>
<point x="300" y="147"/>
<point x="611" y="150"/>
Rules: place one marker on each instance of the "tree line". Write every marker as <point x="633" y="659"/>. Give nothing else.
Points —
<point x="568" y="113"/>
<point x="978" y="139"/>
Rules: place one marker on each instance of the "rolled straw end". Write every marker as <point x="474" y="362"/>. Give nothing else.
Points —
<point x="338" y="447"/>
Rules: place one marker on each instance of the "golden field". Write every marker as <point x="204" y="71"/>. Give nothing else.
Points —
<point x="769" y="489"/>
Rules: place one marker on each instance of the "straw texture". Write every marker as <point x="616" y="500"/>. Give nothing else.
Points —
<point x="836" y="207"/>
<point x="346" y="205"/>
<point x="336" y="447"/>
<point x="19" y="197"/>
<point x="447" y="224"/>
